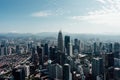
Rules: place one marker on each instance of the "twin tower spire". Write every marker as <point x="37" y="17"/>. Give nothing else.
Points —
<point x="60" y="42"/>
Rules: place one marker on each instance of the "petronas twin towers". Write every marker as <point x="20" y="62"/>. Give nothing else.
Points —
<point x="60" y="42"/>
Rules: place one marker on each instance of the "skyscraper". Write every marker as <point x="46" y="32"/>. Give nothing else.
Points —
<point x="116" y="49"/>
<point x="110" y="47"/>
<point x="52" y="52"/>
<point x="19" y="74"/>
<point x="60" y="41"/>
<point x="55" y="71"/>
<point x="96" y="49"/>
<point x="109" y="65"/>
<point x="66" y="72"/>
<point x="97" y="67"/>
<point x="76" y="45"/>
<point x="40" y="52"/>
<point x="70" y="50"/>
<point x="66" y="43"/>
<point x="46" y="49"/>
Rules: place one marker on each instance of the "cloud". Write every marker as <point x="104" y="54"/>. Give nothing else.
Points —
<point x="108" y="14"/>
<point x="57" y="12"/>
<point x="41" y="14"/>
<point x="102" y="1"/>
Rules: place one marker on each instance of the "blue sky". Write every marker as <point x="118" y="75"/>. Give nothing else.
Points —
<point x="73" y="16"/>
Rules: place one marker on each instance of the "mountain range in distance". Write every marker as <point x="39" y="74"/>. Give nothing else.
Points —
<point x="55" y="34"/>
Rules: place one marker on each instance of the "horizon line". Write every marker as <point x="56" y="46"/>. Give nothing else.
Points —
<point x="62" y="32"/>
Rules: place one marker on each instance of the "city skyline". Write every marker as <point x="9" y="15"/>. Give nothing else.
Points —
<point x="79" y="16"/>
<point x="60" y="58"/>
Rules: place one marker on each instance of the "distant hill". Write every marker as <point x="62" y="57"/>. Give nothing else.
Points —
<point x="54" y="35"/>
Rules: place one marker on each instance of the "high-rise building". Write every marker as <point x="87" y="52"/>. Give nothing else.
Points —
<point x="109" y="66"/>
<point x="40" y="52"/>
<point x="46" y="49"/>
<point x="17" y="49"/>
<point x="66" y="72"/>
<point x="55" y="71"/>
<point x="96" y="49"/>
<point x="70" y="50"/>
<point x="109" y="60"/>
<point x="76" y="45"/>
<point x="27" y="70"/>
<point x="116" y="50"/>
<point x="2" y="51"/>
<point x="68" y="46"/>
<point x="19" y="74"/>
<point x="66" y="43"/>
<point x="52" y="53"/>
<point x="97" y="67"/>
<point x="117" y="73"/>
<point x="110" y="47"/>
<point x="60" y="41"/>
<point x="60" y="58"/>
<point x="32" y="69"/>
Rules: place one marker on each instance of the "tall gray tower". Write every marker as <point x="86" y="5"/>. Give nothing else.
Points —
<point x="60" y="41"/>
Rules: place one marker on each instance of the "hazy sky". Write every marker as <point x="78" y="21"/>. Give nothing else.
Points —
<point x="74" y="16"/>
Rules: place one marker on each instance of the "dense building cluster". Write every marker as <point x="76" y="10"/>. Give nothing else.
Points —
<point x="63" y="58"/>
<point x="10" y="61"/>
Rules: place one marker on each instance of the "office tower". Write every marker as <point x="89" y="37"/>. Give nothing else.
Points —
<point x="35" y="58"/>
<point x="117" y="73"/>
<point x="116" y="50"/>
<point x="68" y="46"/>
<point x="9" y="51"/>
<point x="97" y="67"/>
<point x="2" y="50"/>
<point x="70" y="50"/>
<point x="32" y="69"/>
<point x="66" y="43"/>
<point x="40" y="52"/>
<point x="19" y="74"/>
<point x="60" y="42"/>
<point x="110" y="47"/>
<point x="76" y="47"/>
<point x="60" y="58"/>
<point x="30" y="45"/>
<point x="76" y="42"/>
<point x="55" y="71"/>
<point x="46" y="49"/>
<point x="96" y="49"/>
<point x="109" y="60"/>
<point x="82" y="46"/>
<point x="27" y="70"/>
<point x="109" y="66"/>
<point x="100" y="46"/>
<point x="66" y="72"/>
<point x="17" y="49"/>
<point x="5" y="50"/>
<point x="52" y="53"/>
<point x="33" y="53"/>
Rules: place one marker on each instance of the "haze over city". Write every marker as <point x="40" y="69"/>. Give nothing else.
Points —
<point x="73" y="16"/>
<point x="59" y="40"/>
